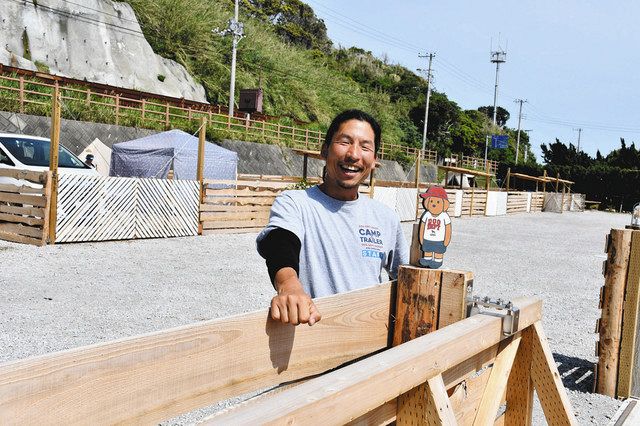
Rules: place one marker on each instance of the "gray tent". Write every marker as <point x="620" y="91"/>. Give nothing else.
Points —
<point x="151" y="157"/>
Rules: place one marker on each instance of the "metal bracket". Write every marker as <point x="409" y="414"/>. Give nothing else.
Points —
<point x="484" y="305"/>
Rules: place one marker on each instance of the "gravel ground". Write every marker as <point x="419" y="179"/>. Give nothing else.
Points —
<point x="63" y="296"/>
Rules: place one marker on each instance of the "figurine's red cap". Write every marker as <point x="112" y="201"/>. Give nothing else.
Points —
<point x="435" y="191"/>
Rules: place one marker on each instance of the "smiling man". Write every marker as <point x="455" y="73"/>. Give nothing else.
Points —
<point x="328" y="239"/>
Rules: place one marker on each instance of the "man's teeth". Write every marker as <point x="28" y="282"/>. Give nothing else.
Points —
<point x="351" y="168"/>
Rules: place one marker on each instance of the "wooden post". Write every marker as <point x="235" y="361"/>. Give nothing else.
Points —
<point x="278" y="134"/>
<point x="628" y="380"/>
<point x="508" y="178"/>
<point x="117" y="108"/>
<point x="471" y="203"/>
<point x="144" y="103"/>
<point x="21" y="94"/>
<point x="558" y="182"/>
<point x="53" y="163"/>
<point x="610" y="324"/>
<point x="417" y="301"/>
<point x="166" y="115"/>
<point x="426" y="300"/>
<point x="305" y="161"/>
<point x="562" y="199"/>
<point x="200" y="172"/>
<point x="417" y="177"/>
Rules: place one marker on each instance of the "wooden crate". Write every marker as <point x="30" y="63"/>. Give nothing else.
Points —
<point x="24" y="209"/>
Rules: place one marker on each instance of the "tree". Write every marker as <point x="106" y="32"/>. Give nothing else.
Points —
<point x="559" y="154"/>
<point x="502" y="116"/>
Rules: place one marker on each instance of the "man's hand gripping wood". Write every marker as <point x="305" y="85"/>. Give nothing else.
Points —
<point x="292" y="305"/>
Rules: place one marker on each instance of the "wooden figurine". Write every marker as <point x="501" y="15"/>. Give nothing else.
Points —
<point x="434" y="233"/>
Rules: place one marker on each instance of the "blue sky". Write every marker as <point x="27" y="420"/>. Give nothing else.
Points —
<point x="576" y="62"/>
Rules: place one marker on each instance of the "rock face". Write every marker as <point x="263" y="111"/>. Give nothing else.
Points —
<point x="96" y="40"/>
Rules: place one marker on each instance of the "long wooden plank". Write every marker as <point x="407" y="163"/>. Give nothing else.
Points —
<point x="465" y="406"/>
<point x="259" y="201"/>
<point x="231" y="208"/>
<point x="149" y="378"/>
<point x="32" y="221"/>
<point x="32" y="200"/>
<point x="231" y="231"/>
<point x="8" y="236"/>
<point x="27" y="211"/>
<point x="610" y="330"/>
<point x="342" y="395"/>
<point x="20" y="189"/>
<point x="19" y="229"/>
<point x="547" y="382"/>
<point x="492" y="396"/>
<point x="222" y="216"/>
<point x="234" y="224"/>
<point x="241" y="193"/>
<point x="35" y="177"/>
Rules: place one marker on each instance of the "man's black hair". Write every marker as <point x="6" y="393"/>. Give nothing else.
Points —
<point x="353" y="114"/>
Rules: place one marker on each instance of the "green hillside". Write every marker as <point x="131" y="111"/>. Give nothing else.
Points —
<point x="286" y="52"/>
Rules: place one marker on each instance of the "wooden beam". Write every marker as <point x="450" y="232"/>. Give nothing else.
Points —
<point x="547" y="382"/>
<point x="417" y="304"/>
<point x="202" y="137"/>
<point x="146" y="379"/>
<point x="53" y="164"/>
<point x="438" y="409"/>
<point x="520" y="386"/>
<point x="612" y="302"/>
<point x="628" y="337"/>
<point x="363" y="386"/>
<point x="497" y="384"/>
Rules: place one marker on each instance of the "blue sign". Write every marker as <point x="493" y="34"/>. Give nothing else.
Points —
<point x="499" y="141"/>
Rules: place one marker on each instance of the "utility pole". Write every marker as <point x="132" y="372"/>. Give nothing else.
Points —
<point x="426" y="108"/>
<point x="235" y="29"/>
<point x="579" y="130"/>
<point x="426" y="115"/>
<point x="526" y="148"/>
<point x="497" y="57"/>
<point x="520" y="101"/>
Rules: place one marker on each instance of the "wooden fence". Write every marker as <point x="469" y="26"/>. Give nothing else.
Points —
<point x="151" y="378"/>
<point x="33" y="96"/>
<point x="24" y="209"/>
<point x="99" y="208"/>
<point x="618" y="348"/>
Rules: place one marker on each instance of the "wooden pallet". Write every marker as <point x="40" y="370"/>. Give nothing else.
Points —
<point x="24" y="209"/>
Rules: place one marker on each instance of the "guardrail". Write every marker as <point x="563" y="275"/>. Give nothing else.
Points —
<point x="27" y="95"/>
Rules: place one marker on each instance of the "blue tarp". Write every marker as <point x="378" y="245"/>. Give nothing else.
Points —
<point x="152" y="157"/>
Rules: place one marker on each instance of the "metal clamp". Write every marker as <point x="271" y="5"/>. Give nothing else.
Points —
<point x="484" y="305"/>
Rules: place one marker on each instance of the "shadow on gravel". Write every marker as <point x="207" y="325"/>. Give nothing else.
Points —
<point x="576" y="373"/>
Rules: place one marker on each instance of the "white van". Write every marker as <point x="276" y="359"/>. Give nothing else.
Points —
<point x="32" y="153"/>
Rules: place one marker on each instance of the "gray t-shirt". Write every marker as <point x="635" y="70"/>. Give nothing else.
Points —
<point x="345" y="244"/>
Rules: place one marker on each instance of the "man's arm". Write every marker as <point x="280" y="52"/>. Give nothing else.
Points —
<point x="292" y="305"/>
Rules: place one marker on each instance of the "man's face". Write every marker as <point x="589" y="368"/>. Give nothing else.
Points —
<point x="350" y="158"/>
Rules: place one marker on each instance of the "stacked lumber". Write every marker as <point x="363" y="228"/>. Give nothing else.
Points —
<point x="618" y="347"/>
<point x="24" y="208"/>
<point x="517" y="202"/>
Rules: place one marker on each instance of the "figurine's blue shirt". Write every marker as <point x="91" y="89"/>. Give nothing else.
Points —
<point x="345" y="244"/>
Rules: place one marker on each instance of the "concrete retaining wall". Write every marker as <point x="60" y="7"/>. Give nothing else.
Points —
<point x="253" y="158"/>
